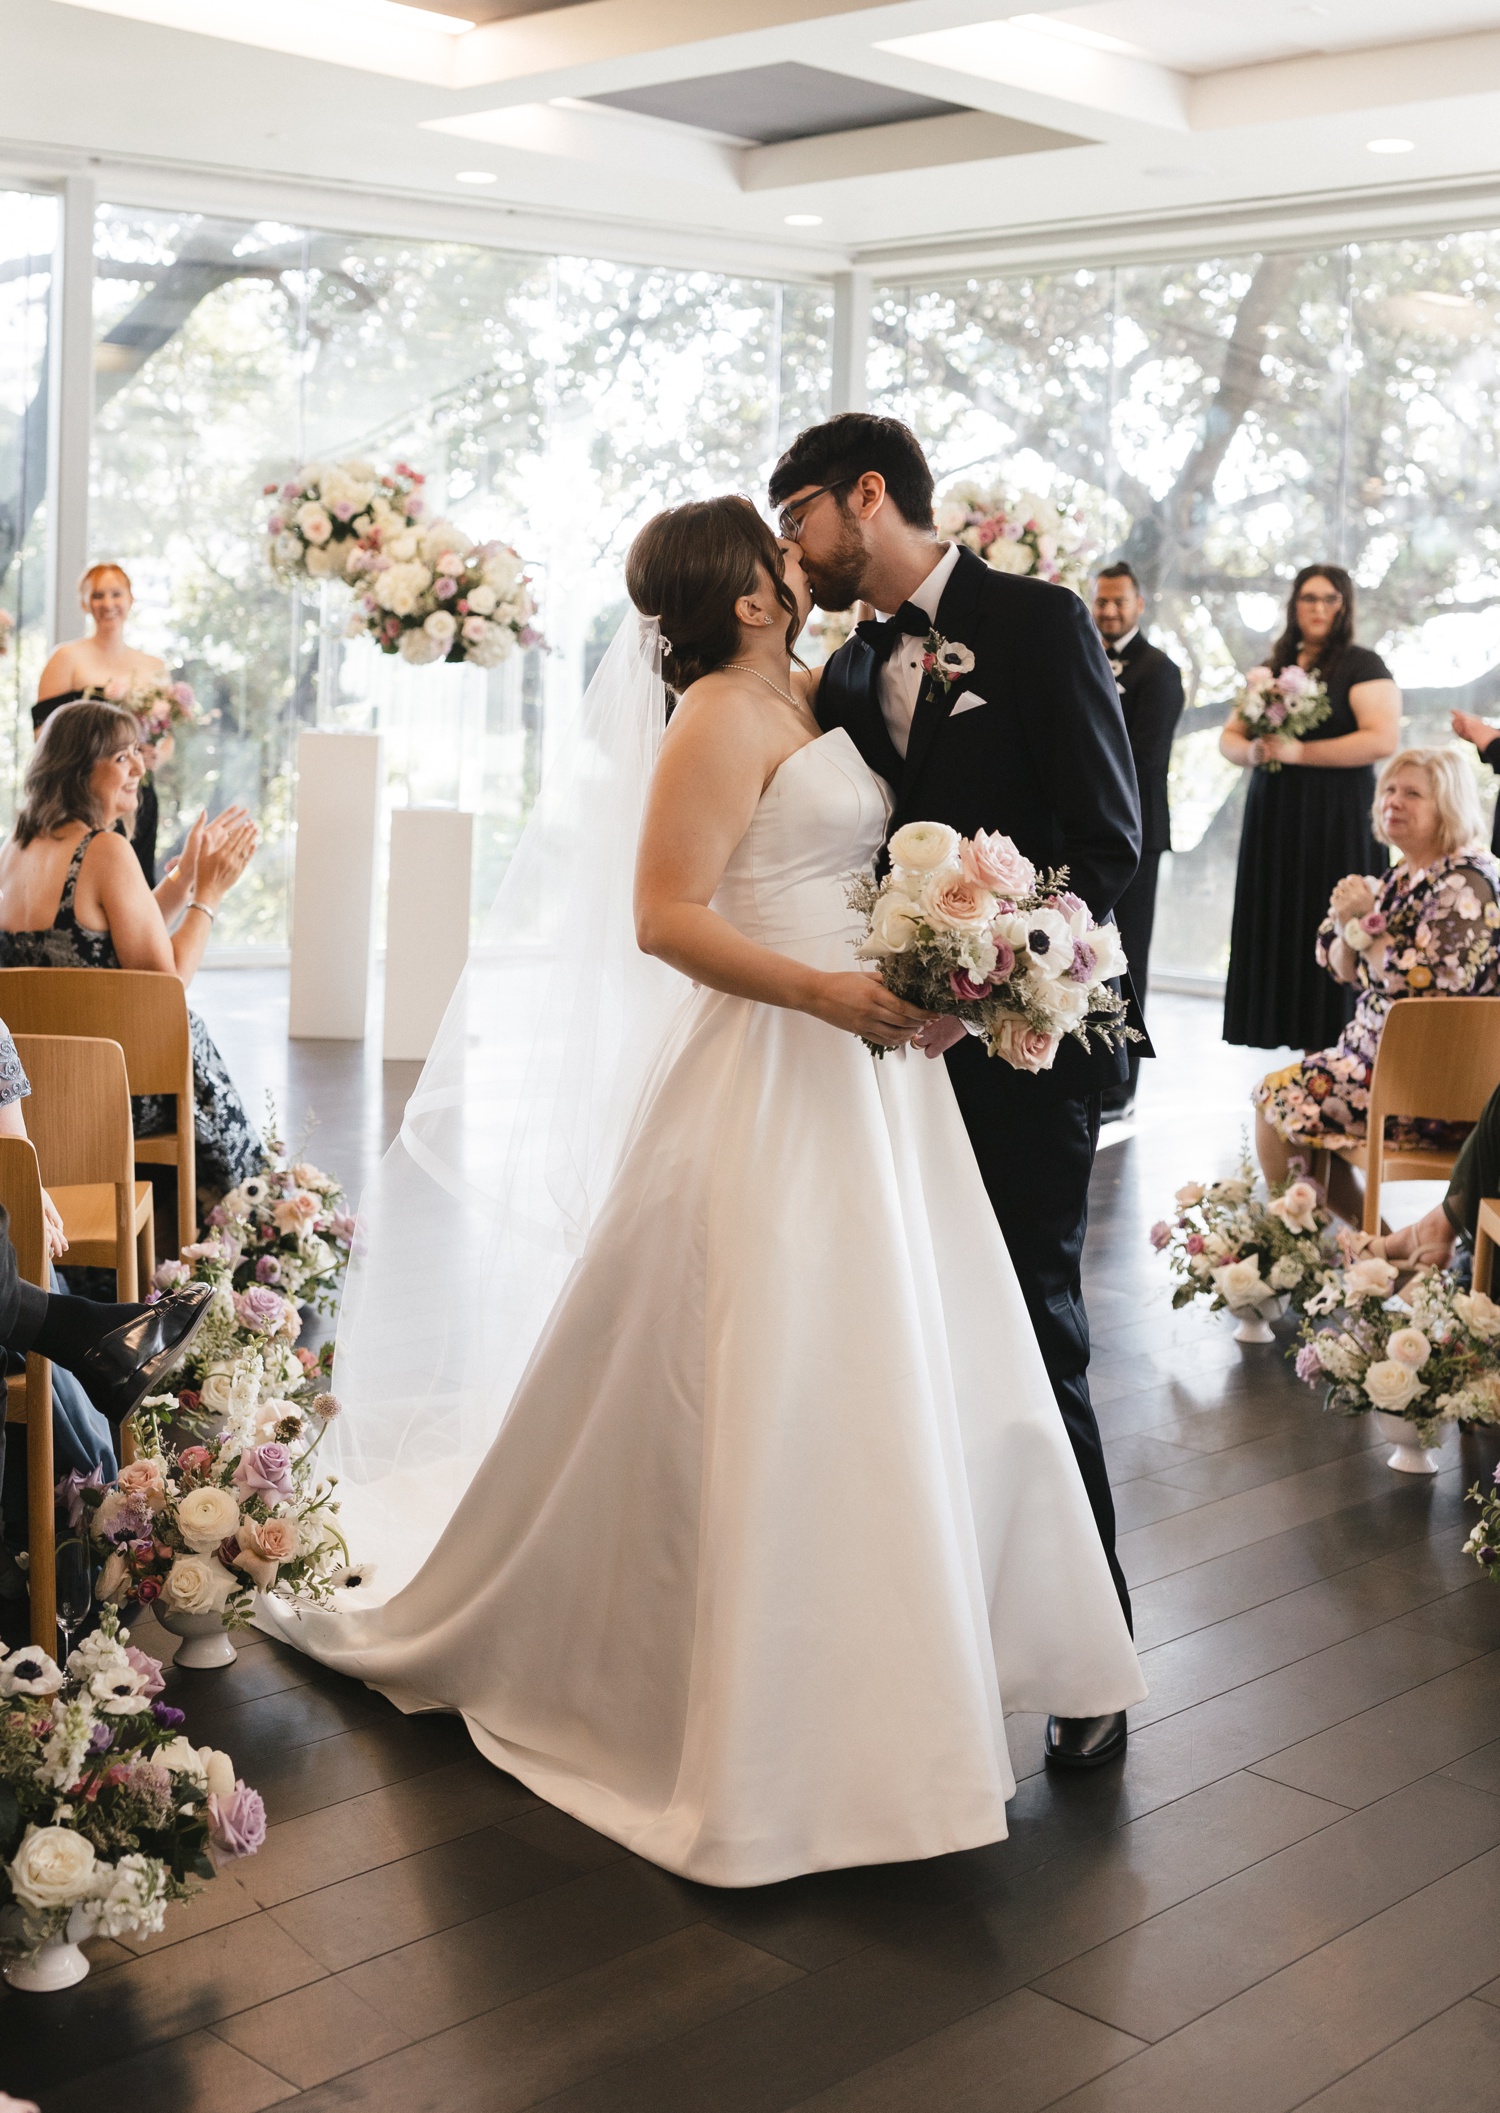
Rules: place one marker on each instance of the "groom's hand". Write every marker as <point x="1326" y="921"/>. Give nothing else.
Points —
<point x="938" y="1036"/>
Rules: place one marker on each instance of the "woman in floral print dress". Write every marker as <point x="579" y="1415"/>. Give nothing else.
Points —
<point x="1429" y="927"/>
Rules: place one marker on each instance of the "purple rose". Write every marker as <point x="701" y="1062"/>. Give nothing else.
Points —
<point x="1068" y="903"/>
<point x="238" y="1822"/>
<point x="260" y="1309"/>
<point x="267" y="1469"/>
<point x="445" y="589"/>
<point x="963" y="985"/>
<point x="1293" y="681"/>
<point x="1194" y="1242"/>
<point x="1309" y="1365"/>
<point x="151" y="1667"/>
<point x="1161" y="1234"/>
<point x="68" y="1494"/>
<point x="1005" y="961"/>
<point x="1275" y="714"/>
<point x="167" y="1717"/>
<point x="268" y="1270"/>
<point x="1085" y="961"/>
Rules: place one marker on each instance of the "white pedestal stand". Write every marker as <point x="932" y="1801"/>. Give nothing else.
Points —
<point x="427" y="923"/>
<point x="333" y="888"/>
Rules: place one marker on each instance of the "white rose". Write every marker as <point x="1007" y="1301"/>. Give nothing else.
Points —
<point x="196" y="1585"/>
<point x="488" y="652"/>
<point x="403" y="546"/>
<point x="323" y="564"/>
<point x="1391" y="1385"/>
<point x="1409" y="1347"/>
<point x="314" y="522"/>
<point x="893" y="928"/>
<point x="440" y="539"/>
<point x="53" y="1868"/>
<point x="215" y="1392"/>
<point x="401" y="587"/>
<point x="1369" y="1278"/>
<point x="207" y="1516"/>
<point x="419" y="649"/>
<point x="952" y="515"/>
<point x="921" y="847"/>
<point x="1297" y="1208"/>
<point x="182" y="1758"/>
<point x="1241" y="1283"/>
<point x="1067" y="1001"/>
<point x="482" y="598"/>
<point x="1008" y="557"/>
<point x="442" y="626"/>
<point x="1480" y="1315"/>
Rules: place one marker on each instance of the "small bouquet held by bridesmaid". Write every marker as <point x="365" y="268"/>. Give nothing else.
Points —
<point x="966" y="926"/>
<point x="1290" y="704"/>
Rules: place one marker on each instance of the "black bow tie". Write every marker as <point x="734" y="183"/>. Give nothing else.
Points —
<point x="884" y="634"/>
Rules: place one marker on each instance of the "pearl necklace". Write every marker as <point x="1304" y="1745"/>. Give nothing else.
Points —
<point x="742" y="668"/>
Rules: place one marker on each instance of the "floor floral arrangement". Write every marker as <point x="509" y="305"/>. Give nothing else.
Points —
<point x="1241" y="1245"/>
<point x="107" y="1813"/>
<point x="1430" y="1356"/>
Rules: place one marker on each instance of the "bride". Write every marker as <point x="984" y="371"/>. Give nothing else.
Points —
<point x="696" y="1424"/>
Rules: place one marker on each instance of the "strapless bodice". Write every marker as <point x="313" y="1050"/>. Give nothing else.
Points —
<point x="821" y="819"/>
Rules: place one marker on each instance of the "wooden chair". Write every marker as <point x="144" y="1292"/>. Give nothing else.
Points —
<point x="1438" y="1058"/>
<point x="28" y="1400"/>
<point x="1486" y="1237"/>
<point x="147" y="1015"/>
<point x="78" y="1117"/>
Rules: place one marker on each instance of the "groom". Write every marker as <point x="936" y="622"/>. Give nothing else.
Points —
<point x="1030" y="741"/>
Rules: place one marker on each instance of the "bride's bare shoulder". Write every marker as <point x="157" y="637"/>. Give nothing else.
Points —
<point x="719" y="712"/>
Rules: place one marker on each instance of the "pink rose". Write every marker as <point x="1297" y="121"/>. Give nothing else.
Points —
<point x="955" y="900"/>
<point x="992" y="861"/>
<point x="266" y="1469"/>
<point x="1005" y="961"/>
<point x="1024" y="1047"/>
<point x="1161" y="1235"/>
<point x="1293" y="681"/>
<point x="1194" y="1243"/>
<point x="295" y="1212"/>
<point x="1373" y="922"/>
<point x="195" y="1459"/>
<point x="261" y="1310"/>
<point x="275" y="1539"/>
<point x="962" y="986"/>
<point x="150" y="1667"/>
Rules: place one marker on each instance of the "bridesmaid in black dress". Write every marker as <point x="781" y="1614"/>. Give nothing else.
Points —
<point x="1307" y="825"/>
<point x="85" y="664"/>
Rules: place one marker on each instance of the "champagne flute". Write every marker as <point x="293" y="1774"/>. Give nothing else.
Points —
<point x="75" y="1587"/>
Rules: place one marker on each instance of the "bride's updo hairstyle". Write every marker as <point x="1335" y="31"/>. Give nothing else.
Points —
<point x="689" y="566"/>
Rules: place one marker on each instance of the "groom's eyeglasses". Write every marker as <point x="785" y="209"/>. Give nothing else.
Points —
<point x="789" y="520"/>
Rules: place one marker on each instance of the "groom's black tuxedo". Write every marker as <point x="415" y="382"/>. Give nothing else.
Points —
<point x="1042" y="756"/>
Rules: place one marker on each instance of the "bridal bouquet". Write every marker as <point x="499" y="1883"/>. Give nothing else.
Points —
<point x="1291" y="704"/>
<point x="1433" y="1357"/>
<point x="202" y="1528"/>
<point x="967" y="926"/>
<point x="1018" y="533"/>
<point x="430" y="594"/>
<point x="324" y="513"/>
<point x="1246" y="1250"/>
<point x="107" y="1813"/>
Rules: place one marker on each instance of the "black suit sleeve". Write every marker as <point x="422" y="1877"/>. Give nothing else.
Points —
<point x="1154" y="712"/>
<point x="1077" y="734"/>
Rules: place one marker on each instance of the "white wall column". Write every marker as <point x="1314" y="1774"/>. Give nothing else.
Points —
<point x="852" y="302"/>
<point x="426" y="924"/>
<point x="339" y="778"/>
<point x="71" y="402"/>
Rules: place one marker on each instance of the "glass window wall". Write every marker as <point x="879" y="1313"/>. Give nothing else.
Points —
<point x="28" y="233"/>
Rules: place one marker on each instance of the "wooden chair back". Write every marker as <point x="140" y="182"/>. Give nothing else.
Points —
<point x="1438" y="1058"/>
<point x="147" y="1015"/>
<point x="78" y="1118"/>
<point x="28" y="1400"/>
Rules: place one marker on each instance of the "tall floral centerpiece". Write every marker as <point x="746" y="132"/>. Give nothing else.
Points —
<point x="430" y="594"/>
<point x="107" y="1813"/>
<point x="324" y="513"/>
<point x="1018" y="532"/>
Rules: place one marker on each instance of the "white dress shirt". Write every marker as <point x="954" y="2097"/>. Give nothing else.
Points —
<point x="901" y="677"/>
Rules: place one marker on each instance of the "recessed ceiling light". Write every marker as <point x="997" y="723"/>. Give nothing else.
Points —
<point x="804" y="220"/>
<point x="1390" y="146"/>
<point x="476" y="176"/>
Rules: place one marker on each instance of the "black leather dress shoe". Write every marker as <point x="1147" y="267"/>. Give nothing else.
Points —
<point x="127" y="1365"/>
<point x="1085" y="1742"/>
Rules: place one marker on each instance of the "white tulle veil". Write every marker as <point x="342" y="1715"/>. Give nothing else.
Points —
<point x="509" y="1143"/>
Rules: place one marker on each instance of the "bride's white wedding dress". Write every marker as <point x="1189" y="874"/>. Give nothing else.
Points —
<point x="782" y="1515"/>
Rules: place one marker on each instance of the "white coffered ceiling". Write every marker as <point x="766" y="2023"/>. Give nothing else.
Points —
<point x="768" y="134"/>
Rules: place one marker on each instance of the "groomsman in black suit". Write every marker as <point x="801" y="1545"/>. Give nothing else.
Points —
<point x="1030" y="741"/>
<point x="1150" y="687"/>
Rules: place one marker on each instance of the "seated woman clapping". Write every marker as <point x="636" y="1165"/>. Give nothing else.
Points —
<point x="72" y="895"/>
<point x="1428" y="927"/>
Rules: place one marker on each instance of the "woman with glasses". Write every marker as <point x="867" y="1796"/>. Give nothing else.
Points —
<point x="1307" y="824"/>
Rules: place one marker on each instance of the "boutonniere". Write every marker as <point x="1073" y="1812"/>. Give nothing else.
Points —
<point x="943" y="662"/>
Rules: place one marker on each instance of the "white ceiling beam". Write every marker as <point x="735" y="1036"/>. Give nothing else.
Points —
<point x="566" y="37"/>
<point x="1040" y="62"/>
<point x="1390" y="76"/>
<point x="882" y="150"/>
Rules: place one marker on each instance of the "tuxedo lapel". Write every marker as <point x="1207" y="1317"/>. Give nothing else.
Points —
<point x="956" y="623"/>
<point x="849" y="696"/>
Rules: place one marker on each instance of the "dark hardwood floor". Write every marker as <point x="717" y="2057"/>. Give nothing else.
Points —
<point x="1287" y="1896"/>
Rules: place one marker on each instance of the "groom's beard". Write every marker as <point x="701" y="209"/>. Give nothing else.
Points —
<point x="837" y="579"/>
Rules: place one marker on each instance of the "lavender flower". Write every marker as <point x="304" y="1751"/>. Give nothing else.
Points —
<point x="238" y="1822"/>
<point x="268" y="1270"/>
<point x="69" y="1493"/>
<point x="167" y="1717"/>
<point x="1309" y="1365"/>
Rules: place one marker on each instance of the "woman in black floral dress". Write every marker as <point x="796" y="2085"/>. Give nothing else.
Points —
<point x="72" y="895"/>
<point x="1427" y="927"/>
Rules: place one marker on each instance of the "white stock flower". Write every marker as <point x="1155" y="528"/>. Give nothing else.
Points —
<point x="53" y="1868"/>
<point x="922" y="847"/>
<point x="62" y="1756"/>
<point x="1285" y="1272"/>
<point x="96" y="1654"/>
<point x="207" y="1516"/>
<point x="1391" y="1385"/>
<point x="1410" y="1347"/>
<point x="1241" y="1283"/>
<point x="132" y="1897"/>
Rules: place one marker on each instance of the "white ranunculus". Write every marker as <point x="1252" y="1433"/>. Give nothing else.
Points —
<point x="314" y="521"/>
<point x="1409" y="1347"/>
<point x="182" y="1758"/>
<point x="207" y="1516"/>
<point x="1241" y="1283"/>
<point x="922" y="847"/>
<point x="482" y="598"/>
<point x="419" y="649"/>
<point x="1392" y="1385"/>
<point x="53" y="1868"/>
<point x="442" y="627"/>
<point x="1008" y="557"/>
<point x="1369" y="1277"/>
<point x="196" y="1584"/>
<point x="1480" y="1315"/>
